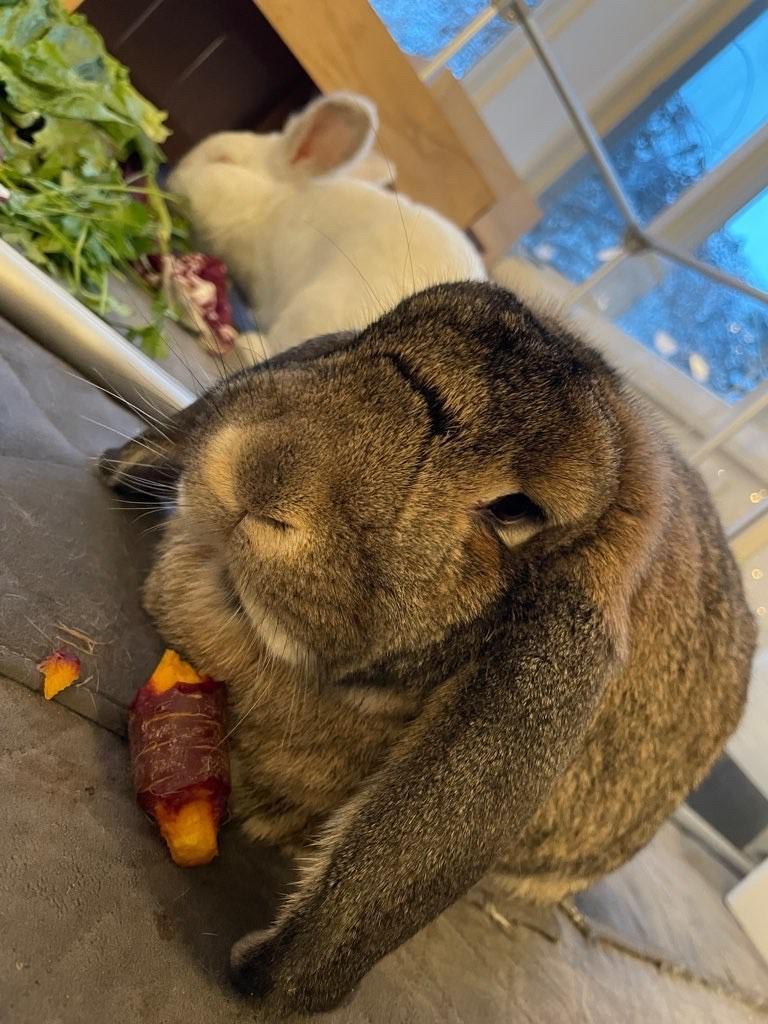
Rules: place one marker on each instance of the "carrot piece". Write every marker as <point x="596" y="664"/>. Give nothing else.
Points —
<point x="189" y="831"/>
<point x="179" y="757"/>
<point x="170" y="670"/>
<point x="60" y="669"/>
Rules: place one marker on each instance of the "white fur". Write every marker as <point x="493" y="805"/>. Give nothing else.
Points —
<point x="277" y="642"/>
<point x="303" y="221"/>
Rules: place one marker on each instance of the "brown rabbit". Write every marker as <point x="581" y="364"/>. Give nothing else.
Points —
<point x="474" y="612"/>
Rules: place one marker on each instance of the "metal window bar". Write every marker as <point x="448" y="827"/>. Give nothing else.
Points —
<point x="744" y="411"/>
<point x="747" y="522"/>
<point x="637" y="238"/>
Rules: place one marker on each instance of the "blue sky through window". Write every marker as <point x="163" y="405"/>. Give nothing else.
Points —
<point x="728" y="97"/>
<point x="749" y="230"/>
<point x="671" y="148"/>
<point x="423" y="29"/>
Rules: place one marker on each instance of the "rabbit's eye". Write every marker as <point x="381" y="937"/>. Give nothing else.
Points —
<point x="270" y="522"/>
<point x="515" y="508"/>
<point x="275" y="524"/>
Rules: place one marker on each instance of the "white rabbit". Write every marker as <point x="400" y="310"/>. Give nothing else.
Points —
<point x="307" y="229"/>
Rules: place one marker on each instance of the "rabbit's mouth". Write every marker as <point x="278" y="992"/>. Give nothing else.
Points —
<point x="273" y="637"/>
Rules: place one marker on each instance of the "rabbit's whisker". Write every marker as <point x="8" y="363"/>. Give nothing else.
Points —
<point x="409" y="253"/>
<point x="121" y="433"/>
<point x="351" y="262"/>
<point x="146" y="417"/>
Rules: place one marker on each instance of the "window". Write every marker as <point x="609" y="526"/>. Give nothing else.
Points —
<point x="693" y="125"/>
<point x="717" y="336"/>
<point x="741" y="245"/>
<point x="422" y="30"/>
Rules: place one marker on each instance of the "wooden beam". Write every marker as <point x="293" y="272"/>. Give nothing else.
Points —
<point x="515" y="210"/>
<point x="342" y="44"/>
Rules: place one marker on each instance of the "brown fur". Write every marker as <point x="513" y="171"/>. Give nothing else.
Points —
<point x="424" y="691"/>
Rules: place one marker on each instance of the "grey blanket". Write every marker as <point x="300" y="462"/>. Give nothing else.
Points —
<point x="68" y="556"/>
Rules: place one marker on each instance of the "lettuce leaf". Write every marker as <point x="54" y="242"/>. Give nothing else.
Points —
<point x="70" y="120"/>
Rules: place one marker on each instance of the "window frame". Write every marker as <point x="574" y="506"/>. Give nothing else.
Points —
<point x="698" y="212"/>
<point x="667" y="56"/>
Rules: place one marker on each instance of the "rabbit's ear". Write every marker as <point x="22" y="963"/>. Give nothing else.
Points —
<point x="461" y="783"/>
<point x="332" y="133"/>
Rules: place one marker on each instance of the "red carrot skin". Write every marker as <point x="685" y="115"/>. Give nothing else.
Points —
<point x="176" y="729"/>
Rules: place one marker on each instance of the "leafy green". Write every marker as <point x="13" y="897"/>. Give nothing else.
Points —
<point x="69" y="122"/>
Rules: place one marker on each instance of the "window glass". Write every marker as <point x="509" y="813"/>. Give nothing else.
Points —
<point x="658" y="157"/>
<point x="423" y="29"/>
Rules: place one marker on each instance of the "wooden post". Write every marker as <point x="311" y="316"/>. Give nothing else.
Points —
<point x="515" y="210"/>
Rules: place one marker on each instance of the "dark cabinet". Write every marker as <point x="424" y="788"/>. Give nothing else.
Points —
<point x="211" y="65"/>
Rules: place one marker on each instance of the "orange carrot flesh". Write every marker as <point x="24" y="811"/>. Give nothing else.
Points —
<point x="170" y="670"/>
<point x="60" y="669"/>
<point x="189" y="831"/>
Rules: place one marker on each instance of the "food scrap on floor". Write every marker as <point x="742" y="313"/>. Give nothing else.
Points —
<point x="60" y="669"/>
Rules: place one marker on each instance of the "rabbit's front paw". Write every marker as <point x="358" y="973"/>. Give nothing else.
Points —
<point x="251" y="963"/>
<point x="283" y="970"/>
